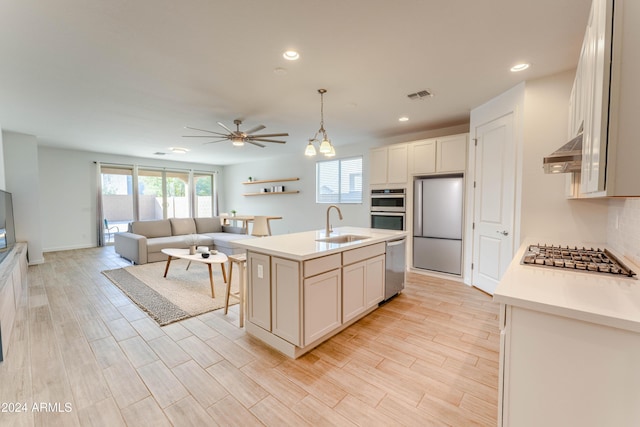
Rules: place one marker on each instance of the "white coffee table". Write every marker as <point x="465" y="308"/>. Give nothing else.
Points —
<point x="218" y="258"/>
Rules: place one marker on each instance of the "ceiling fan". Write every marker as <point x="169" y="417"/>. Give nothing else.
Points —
<point x="238" y="137"/>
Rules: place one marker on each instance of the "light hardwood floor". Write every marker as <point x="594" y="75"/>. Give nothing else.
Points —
<point x="428" y="357"/>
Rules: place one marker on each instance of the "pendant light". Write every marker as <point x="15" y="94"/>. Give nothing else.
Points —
<point x="325" y="147"/>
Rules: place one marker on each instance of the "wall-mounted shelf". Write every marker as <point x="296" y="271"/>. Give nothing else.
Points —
<point x="264" y="181"/>
<point x="271" y="193"/>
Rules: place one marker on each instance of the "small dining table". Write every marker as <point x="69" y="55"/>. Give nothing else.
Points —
<point x="246" y="219"/>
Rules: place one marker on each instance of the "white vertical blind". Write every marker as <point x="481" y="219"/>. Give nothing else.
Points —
<point x="339" y="181"/>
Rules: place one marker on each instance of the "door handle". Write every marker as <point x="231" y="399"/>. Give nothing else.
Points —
<point x="503" y="232"/>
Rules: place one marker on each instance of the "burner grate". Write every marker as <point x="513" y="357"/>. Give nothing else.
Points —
<point x="594" y="260"/>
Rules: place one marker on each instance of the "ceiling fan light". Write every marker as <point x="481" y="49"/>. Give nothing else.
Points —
<point x="310" y="150"/>
<point x="237" y="141"/>
<point x="325" y="146"/>
<point x="331" y="153"/>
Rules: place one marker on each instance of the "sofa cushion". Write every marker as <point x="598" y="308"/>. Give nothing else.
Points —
<point x="208" y="225"/>
<point x="226" y="239"/>
<point x="156" y="228"/>
<point x="158" y="243"/>
<point x="182" y="226"/>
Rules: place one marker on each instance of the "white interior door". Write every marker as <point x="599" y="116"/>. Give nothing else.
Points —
<point x="494" y="196"/>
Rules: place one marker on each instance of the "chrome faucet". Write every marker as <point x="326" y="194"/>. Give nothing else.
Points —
<point x="328" y="229"/>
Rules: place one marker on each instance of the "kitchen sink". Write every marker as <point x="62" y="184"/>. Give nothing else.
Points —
<point x="343" y="238"/>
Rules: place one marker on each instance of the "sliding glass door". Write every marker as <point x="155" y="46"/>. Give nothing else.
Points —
<point x="117" y="200"/>
<point x="204" y="200"/>
<point x="130" y="193"/>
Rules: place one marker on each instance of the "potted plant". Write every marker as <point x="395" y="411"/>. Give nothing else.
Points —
<point x="233" y="212"/>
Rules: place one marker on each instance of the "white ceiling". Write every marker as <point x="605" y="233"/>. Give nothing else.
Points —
<point x="125" y="76"/>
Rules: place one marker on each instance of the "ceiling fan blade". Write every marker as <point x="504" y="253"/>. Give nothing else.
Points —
<point x="203" y="130"/>
<point x="222" y="135"/>
<point x="255" y="129"/>
<point x="266" y="140"/>
<point x="267" y="135"/>
<point x="255" y="143"/>
<point x="232" y="132"/>
<point x="213" y="142"/>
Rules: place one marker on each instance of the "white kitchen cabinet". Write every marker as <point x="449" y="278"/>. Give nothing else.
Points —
<point x="362" y="286"/>
<point x="322" y="305"/>
<point x="451" y="153"/>
<point x="559" y="371"/>
<point x="286" y="300"/>
<point x="422" y="156"/>
<point x="607" y="97"/>
<point x="378" y="166"/>
<point x="397" y="165"/>
<point x="353" y="290"/>
<point x="438" y="155"/>
<point x="259" y="293"/>
<point x="374" y="281"/>
<point x="388" y="165"/>
<point x="363" y="275"/>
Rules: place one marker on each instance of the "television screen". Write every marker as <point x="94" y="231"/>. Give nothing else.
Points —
<point x="7" y="229"/>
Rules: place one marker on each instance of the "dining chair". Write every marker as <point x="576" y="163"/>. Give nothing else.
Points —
<point x="260" y="226"/>
<point x="108" y="229"/>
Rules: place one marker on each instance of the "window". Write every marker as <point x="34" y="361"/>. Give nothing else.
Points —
<point x="339" y="181"/>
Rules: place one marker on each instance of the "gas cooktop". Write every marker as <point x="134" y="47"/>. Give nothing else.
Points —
<point x="591" y="260"/>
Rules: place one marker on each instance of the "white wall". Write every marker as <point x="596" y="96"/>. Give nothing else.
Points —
<point x="21" y="176"/>
<point x="623" y="228"/>
<point x="68" y="193"/>
<point x="546" y="212"/>
<point x="3" y="184"/>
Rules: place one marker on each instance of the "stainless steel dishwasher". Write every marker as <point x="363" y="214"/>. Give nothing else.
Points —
<point x="395" y="264"/>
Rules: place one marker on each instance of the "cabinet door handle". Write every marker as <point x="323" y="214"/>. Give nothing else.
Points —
<point x="503" y="232"/>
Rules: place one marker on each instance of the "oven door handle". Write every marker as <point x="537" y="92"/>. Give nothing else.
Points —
<point x="383" y="213"/>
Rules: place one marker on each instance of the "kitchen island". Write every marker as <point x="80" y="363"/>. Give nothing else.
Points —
<point x="303" y="289"/>
<point x="569" y="346"/>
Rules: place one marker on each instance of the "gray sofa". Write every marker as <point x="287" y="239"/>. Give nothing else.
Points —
<point x="145" y="239"/>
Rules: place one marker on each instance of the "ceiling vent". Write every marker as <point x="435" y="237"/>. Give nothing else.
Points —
<point x="419" y="95"/>
<point x="160" y="153"/>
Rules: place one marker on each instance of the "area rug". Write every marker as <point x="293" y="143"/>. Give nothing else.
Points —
<point x="182" y="294"/>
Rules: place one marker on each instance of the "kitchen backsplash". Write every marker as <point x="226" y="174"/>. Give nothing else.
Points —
<point x="623" y="227"/>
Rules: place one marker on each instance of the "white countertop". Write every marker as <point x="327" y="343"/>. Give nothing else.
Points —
<point x="594" y="297"/>
<point x="302" y="246"/>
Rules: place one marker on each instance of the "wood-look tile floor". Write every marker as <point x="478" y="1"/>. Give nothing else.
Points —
<point x="93" y="358"/>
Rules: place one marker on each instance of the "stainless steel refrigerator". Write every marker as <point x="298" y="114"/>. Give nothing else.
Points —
<point x="437" y="223"/>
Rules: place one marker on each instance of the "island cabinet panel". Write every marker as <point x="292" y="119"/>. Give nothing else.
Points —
<point x="319" y="265"/>
<point x="353" y="290"/>
<point x="322" y="304"/>
<point x="286" y="299"/>
<point x="360" y="254"/>
<point x="374" y="281"/>
<point x="259" y="293"/>
<point x="362" y="286"/>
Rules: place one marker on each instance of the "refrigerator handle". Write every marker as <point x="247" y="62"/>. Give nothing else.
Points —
<point x="417" y="208"/>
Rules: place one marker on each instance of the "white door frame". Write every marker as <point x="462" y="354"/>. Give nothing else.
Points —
<point x="511" y="101"/>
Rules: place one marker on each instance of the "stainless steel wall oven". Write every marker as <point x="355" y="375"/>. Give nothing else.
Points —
<point x="388" y="209"/>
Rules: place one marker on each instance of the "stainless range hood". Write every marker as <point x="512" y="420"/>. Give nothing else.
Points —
<point x="565" y="159"/>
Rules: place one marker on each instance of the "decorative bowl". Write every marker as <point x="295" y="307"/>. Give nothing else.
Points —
<point x="205" y="255"/>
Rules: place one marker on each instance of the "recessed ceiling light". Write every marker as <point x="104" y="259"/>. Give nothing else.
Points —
<point x="291" y="55"/>
<point x="178" y="150"/>
<point x="280" y="71"/>
<point x="403" y="119"/>
<point x="519" y="67"/>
